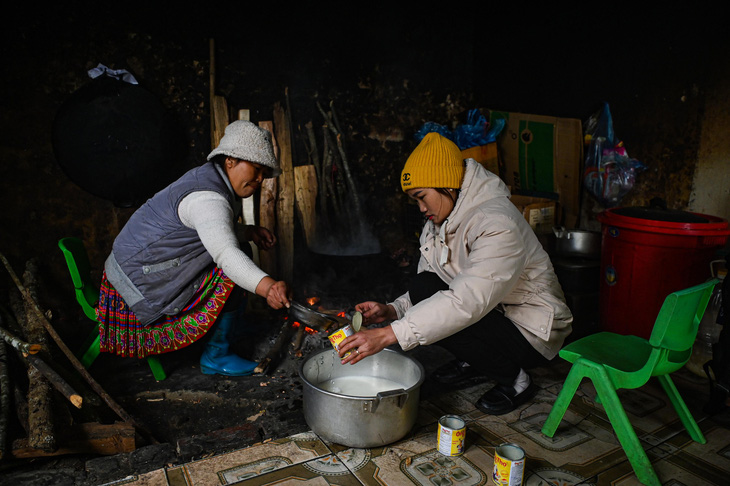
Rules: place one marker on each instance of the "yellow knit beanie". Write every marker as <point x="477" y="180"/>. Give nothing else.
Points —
<point x="435" y="162"/>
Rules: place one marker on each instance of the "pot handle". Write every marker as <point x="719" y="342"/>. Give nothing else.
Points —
<point x="559" y="231"/>
<point x="372" y="405"/>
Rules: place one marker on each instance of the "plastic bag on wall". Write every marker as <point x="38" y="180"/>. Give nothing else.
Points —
<point x="609" y="171"/>
<point x="475" y="132"/>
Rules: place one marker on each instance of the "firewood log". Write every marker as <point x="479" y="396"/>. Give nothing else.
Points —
<point x="40" y="392"/>
<point x="72" y="358"/>
<point x="284" y="337"/>
<point x="17" y="343"/>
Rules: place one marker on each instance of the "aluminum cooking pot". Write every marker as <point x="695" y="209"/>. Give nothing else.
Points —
<point x="370" y="420"/>
<point x="577" y="243"/>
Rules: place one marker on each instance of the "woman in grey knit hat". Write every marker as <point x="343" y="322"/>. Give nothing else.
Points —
<point x="177" y="269"/>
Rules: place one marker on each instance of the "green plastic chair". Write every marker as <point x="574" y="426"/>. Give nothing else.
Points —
<point x="87" y="294"/>
<point x="613" y="361"/>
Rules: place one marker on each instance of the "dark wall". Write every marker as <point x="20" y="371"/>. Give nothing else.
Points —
<point x="386" y="70"/>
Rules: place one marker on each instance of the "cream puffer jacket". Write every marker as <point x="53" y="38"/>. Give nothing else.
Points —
<point x="491" y="257"/>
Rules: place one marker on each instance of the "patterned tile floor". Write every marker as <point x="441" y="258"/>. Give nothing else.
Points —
<point x="584" y="450"/>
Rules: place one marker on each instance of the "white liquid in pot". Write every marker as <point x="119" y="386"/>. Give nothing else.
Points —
<point x="359" y="386"/>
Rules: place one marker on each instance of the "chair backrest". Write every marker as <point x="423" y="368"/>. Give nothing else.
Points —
<point x="676" y="325"/>
<point x="77" y="260"/>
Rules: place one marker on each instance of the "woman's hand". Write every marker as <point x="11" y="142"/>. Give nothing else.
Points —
<point x="262" y="237"/>
<point x="277" y="294"/>
<point x="366" y="342"/>
<point x="375" y="312"/>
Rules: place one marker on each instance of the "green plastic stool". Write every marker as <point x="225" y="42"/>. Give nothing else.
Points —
<point x="614" y="361"/>
<point x="87" y="294"/>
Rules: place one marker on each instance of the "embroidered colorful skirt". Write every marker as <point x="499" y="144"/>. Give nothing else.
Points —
<point x="121" y="333"/>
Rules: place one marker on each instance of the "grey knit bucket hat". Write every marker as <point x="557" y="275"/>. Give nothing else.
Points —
<point x="244" y="140"/>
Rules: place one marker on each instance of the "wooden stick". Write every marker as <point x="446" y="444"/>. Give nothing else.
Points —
<point x="17" y="343"/>
<point x="333" y="125"/>
<point x="297" y="344"/>
<point x="284" y="335"/>
<point x="74" y="361"/>
<point x="312" y="150"/>
<point x="55" y="379"/>
<point x="327" y="168"/>
<point x="343" y="215"/>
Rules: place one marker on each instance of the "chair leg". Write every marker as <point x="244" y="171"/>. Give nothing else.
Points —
<point x="681" y="408"/>
<point x="570" y="386"/>
<point x="92" y="352"/>
<point x="157" y="370"/>
<point x="624" y="430"/>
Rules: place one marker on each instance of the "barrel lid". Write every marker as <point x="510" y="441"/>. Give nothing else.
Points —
<point x="667" y="221"/>
<point x="661" y="214"/>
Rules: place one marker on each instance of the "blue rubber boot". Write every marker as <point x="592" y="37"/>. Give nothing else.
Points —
<point x="217" y="358"/>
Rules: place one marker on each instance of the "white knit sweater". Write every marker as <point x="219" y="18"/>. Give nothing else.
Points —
<point x="210" y="214"/>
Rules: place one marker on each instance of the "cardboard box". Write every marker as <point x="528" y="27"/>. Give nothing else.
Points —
<point x="538" y="211"/>
<point x="542" y="154"/>
<point x="487" y="155"/>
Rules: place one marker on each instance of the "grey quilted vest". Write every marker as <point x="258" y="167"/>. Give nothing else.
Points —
<point x="157" y="263"/>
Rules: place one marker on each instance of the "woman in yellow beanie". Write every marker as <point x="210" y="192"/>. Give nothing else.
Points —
<point x="485" y="289"/>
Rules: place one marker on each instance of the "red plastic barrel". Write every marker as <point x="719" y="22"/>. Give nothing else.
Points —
<point x="648" y="253"/>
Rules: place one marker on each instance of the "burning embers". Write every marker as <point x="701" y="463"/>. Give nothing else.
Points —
<point x="302" y="329"/>
<point x="302" y="335"/>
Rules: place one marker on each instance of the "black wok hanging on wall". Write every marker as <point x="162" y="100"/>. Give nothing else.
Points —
<point x="114" y="140"/>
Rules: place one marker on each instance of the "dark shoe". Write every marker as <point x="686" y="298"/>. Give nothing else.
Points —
<point x="456" y="373"/>
<point x="502" y="399"/>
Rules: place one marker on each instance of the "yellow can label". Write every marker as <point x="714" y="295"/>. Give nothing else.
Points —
<point x="509" y="465"/>
<point x="338" y="336"/>
<point x="451" y="435"/>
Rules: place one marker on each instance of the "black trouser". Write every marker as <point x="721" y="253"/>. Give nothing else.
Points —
<point x="493" y="345"/>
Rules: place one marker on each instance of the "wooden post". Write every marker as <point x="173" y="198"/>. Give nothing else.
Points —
<point x="219" y="120"/>
<point x="267" y="208"/>
<point x="305" y="187"/>
<point x="285" y="200"/>
<point x="219" y="117"/>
